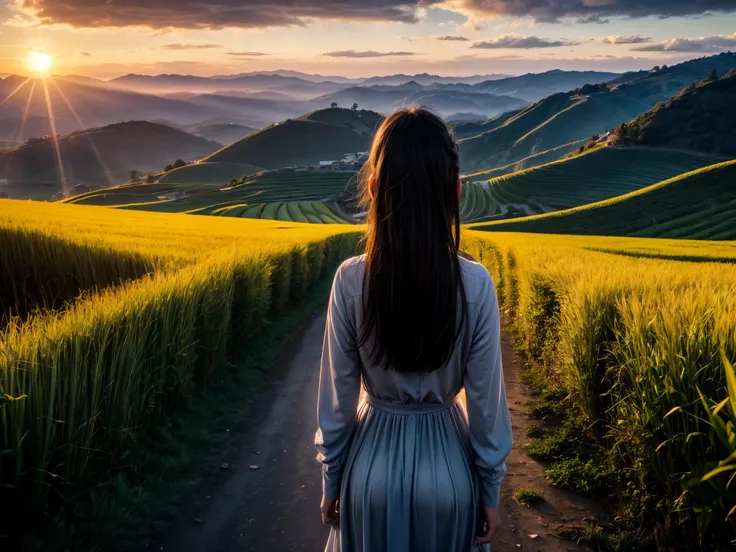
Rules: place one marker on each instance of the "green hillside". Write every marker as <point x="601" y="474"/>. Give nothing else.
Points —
<point x="698" y="205"/>
<point x="532" y="161"/>
<point x="97" y="157"/>
<point x="553" y="122"/>
<point x="702" y="117"/>
<point x="568" y="117"/>
<point x="596" y="175"/>
<point x="319" y="136"/>
<point x="468" y="129"/>
<point x="221" y="198"/>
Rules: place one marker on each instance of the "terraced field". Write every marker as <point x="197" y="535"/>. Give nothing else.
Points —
<point x="260" y="195"/>
<point x="696" y="205"/>
<point x="314" y="212"/>
<point x="596" y="175"/>
<point x="477" y="204"/>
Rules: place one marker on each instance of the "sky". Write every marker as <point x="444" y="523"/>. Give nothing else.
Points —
<point x="358" y="38"/>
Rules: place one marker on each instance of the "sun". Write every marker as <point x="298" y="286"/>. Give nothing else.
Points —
<point x="38" y="62"/>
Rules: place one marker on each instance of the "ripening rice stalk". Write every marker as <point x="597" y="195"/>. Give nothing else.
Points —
<point x="633" y="337"/>
<point x="172" y="301"/>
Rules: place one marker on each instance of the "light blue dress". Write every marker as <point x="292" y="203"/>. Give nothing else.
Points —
<point x="409" y="465"/>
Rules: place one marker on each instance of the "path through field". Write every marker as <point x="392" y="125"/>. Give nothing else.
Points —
<point x="276" y="506"/>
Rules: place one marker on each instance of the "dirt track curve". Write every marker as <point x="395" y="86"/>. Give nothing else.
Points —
<point x="276" y="506"/>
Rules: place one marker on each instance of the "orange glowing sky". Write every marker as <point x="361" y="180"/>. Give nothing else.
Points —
<point x="105" y="39"/>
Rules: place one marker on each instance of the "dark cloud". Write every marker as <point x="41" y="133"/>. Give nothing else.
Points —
<point x="85" y="54"/>
<point x="451" y="38"/>
<point x="217" y="14"/>
<point x="366" y="54"/>
<point x="633" y="39"/>
<point x="592" y="11"/>
<point x="707" y="44"/>
<point x="248" y="54"/>
<point x="516" y="41"/>
<point x="591" y="19"/>
<point x="188" y="46"/>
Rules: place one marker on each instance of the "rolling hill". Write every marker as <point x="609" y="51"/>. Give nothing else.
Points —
<point x="595" y="175"/>
<point x="563" y="118"/>
<point x="697" y="205"/>
<point x="224" y="133"/>
<point x="700" y="118"/>
<point x="96" y="157"/>
<point x="533" y="87"/>
<point x="318" y="136"/>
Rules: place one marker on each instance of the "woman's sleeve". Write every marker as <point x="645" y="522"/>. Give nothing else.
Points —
<point x="488" y="413"/>
<point x="339" y="391"/>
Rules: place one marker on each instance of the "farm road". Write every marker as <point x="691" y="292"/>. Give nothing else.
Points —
<point x="276" y="506"/>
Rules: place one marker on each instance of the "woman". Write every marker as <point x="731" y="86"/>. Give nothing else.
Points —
<point x="414" y="323"/>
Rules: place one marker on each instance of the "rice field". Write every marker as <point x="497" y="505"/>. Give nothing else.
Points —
<point x="222" y="197"/>
<point x="477" y="203"/>
<point x="696" y="205"/>
<point x="111" y="319"/>
<point x="593" y="176"/>
<point x="633" y="331"/>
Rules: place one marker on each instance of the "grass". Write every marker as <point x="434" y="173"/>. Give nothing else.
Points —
<point x="596" y="175"/>
<point x="631" y="331"/>
<point x="700" y="204"/>
<point x="169" y="301"/>
<point x="530" y="497"/>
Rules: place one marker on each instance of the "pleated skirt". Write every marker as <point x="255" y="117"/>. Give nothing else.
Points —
<point x="409" y="484"/>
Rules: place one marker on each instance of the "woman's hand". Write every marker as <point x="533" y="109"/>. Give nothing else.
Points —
<point x="330" y="512"/>
<point x="493" y="525"/>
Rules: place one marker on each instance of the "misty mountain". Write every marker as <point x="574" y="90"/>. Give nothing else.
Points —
<point x="425" y="79"/>
<point x="76" y="105"/>
<point x="162" y="84"/>
<point x="535" y="86"/>
<point x="445" y="101"/>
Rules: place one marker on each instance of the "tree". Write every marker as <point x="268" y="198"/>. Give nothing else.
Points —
<point x="355" y="107"/>
<point x="179" y="163"/>
<point x="135" y="176"/>
<point x="168" y="168"/>
<point x="333" y="105"/>
<point x="712" y="76"/>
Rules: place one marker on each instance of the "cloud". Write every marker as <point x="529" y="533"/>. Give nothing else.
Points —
<point x="633" y="39"/>
<point x="705" y="44"/>
<point x="451" y="38"/>
<point x="366" y="54"/>
<point x="85" y="54"/>
<point x="248" y="54"/>
<point x="591" y="19"/>
<point x="592" y="11"/>
<point x="188" y="46"/>
<point x="517" y="41"/>
<point x="215" y="14"/>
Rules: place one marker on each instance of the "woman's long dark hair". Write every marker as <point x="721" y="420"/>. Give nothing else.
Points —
<point x="413" y="287"/>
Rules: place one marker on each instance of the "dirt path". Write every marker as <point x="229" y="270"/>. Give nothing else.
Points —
<point x="276" y="507"/>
